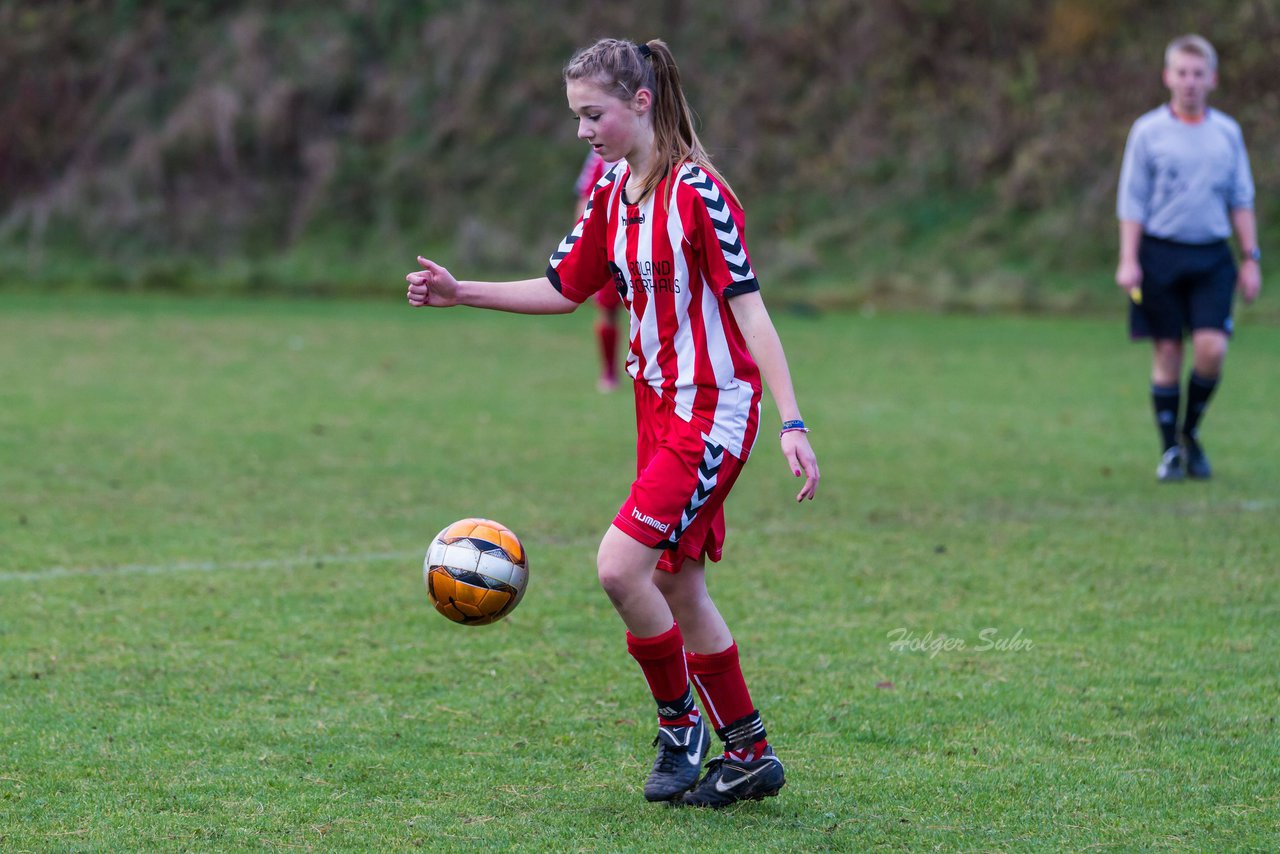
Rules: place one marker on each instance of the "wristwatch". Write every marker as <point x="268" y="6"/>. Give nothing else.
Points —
<point x="1254" y="254"/>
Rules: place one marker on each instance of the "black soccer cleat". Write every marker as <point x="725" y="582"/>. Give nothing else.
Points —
<point x="1171" y="468"/>
<point x="680" y="753"/>
<point x="1197" y="461"/>
<point x="730" y="780"/>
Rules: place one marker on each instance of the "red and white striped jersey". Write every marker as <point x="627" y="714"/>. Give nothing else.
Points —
<point x="676" y="260"/>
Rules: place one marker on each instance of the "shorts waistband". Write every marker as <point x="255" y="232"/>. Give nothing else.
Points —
<point x="1164" y="241"/>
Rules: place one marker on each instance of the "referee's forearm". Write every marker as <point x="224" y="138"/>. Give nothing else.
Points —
<point x="1245" y="224"/>
<point x="1130" y="236"/>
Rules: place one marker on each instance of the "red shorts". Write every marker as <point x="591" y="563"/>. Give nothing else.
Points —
<point x="677" y="500"/>
<point x="608" y="297"/>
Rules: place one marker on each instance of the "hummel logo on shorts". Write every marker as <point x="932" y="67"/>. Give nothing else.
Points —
<point x="645" y="519"/>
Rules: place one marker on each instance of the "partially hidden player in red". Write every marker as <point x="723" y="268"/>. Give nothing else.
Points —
<point x="665" y="230"/>
<point x="608" y="300"/>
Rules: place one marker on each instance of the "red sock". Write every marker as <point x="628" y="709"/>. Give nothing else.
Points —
<point x="662" y="659"/>
<point x="607" y="334"/>
<point x="718" y="678"/>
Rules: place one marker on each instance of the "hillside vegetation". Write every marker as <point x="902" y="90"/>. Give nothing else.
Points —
<point x="949" y="153"/>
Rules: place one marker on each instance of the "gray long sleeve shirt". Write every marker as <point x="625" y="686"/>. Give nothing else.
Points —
<point x="1181" y="180"/>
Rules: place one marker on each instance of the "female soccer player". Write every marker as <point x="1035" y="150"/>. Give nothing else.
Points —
<point x="665" y="229"/>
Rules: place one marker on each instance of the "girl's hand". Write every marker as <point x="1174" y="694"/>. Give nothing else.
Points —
<point x="433" y="285"/>
<point x="795" y="447"/>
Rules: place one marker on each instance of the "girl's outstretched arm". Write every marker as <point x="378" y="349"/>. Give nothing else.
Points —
<point x="766" y="348"/>
<point x="435" y="286"/>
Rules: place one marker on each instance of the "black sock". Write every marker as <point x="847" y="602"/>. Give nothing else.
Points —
<point x="1164" y="399"/>
<point x="1199" y="390"/>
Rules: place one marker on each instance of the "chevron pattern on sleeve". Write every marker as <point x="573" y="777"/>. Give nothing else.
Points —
<point x="735" y="254"/>
<point x="572" y="237"/>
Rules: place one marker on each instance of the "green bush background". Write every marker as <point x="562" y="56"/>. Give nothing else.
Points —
<point x="941" y="153"/>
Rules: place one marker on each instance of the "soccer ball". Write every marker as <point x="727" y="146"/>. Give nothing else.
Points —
<point x="476" y="571"/>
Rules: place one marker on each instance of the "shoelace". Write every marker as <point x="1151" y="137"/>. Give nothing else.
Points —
<point x="666" y="756"/>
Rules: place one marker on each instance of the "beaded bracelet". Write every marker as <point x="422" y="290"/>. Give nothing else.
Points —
<point x="792" y="427"/>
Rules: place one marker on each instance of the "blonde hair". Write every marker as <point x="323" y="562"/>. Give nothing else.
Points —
<point x="622" y="69"/>
<point x="1194" y="45"/>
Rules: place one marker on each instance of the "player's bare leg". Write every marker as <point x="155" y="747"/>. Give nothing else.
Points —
<point x="704" y="630"/>
<point x="625" y="568"/>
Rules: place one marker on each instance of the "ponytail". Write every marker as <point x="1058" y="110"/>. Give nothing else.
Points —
<point x="622" y="69"/>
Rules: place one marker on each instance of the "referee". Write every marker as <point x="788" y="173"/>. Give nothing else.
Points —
<point x="1184" y="185"/>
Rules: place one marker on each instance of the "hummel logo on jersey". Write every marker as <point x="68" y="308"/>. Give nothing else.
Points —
<point x="637" y="219"/>
<point x="723" y="785"/>
<point x="649" y="520"/>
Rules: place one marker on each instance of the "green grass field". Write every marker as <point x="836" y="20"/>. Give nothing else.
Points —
<point x="214" y="633"/>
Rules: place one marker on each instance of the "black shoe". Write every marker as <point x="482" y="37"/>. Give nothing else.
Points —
<point x="1171" y="467"/>
<point x="730" y="780"/>
<point x="1197" y="463"/>
<point x="680" y="753"/>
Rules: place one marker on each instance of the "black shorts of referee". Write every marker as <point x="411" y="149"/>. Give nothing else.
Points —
<point x="1185" y="287"/>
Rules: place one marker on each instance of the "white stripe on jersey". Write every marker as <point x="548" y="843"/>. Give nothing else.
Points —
<point x="733" y="404"/>
<point x="647" y="323"/>
<point x="686" y="353"/>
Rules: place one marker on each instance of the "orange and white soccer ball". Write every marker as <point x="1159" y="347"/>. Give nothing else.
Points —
<point x="476" y="571"/>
